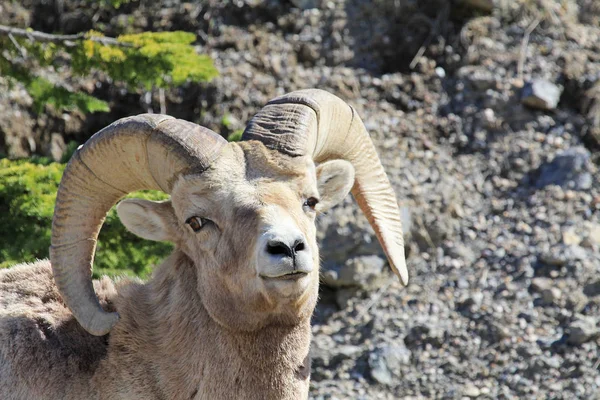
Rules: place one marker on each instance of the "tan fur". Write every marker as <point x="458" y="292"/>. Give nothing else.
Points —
<point x="205" y="326"/>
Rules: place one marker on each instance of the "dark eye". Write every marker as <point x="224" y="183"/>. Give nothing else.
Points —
<point x="196" y="223"/>
<point x="311" y="202"/>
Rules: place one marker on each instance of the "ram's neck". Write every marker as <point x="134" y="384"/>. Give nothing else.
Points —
<point x="270" y="364"/>
<point x="167" y="339"/>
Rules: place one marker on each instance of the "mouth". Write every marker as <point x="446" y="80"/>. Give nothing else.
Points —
<point x="291" y="276"/>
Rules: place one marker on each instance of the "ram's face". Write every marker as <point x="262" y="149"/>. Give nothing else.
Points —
<point x="248" y="224"/>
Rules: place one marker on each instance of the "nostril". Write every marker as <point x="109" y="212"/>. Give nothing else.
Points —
<point x="278" y="248"/>
<point x="299" y="246"/>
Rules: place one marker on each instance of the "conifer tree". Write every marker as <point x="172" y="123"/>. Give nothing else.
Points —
<point x="140" y="61"/>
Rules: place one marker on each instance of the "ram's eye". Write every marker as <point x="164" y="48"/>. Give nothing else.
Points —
<point x="197" y="223"/>
<point x="311" y="202"/>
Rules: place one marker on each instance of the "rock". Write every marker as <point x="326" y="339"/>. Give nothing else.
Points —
<point x="576" y="301"/>
<point x="541" y="284"/>
<point x="563" y="255"/>
<point x="471" y="391"/>
<point x="541" y="94"/>
<point x="349" y="351"/>
<point x="481" y="78"/>
<point x="554" y="259"/>
<point x="489" y="118"/>
<point x="592" y="235"/>
<point x="592" y="289"/>
<point x="365" y="272"/>
<point x="569" y="236"/>
<point x="551" y="295"/>
<point x="569" y="170"/>
<point x="379" y="370"/>
<point x="385" y="362"/>
<point x="582" y="330"/>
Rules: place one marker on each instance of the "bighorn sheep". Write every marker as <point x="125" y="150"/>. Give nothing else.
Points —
<point x="227" y="315"/>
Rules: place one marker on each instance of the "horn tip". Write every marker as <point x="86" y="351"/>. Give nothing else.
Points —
<point x="400" y="271"/>
<point x="102" y="323"/>
<point x="404" y="279"/>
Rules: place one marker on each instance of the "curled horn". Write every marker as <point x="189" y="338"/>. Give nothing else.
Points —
<point x="136" y="153"/>
<point x="316" y="123"/>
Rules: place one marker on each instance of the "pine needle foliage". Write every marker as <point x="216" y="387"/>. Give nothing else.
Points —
<point x="149" y="59"/>
<point x="140" y="61"/>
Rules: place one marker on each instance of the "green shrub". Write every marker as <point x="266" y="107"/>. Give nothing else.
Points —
<point x="27" y="197"/>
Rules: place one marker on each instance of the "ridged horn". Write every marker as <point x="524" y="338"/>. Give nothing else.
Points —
<point x="317" y="123"/>
<point x="136" y="153"/>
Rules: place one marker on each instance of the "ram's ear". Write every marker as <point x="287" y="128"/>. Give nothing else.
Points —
<point x="147" y="219"/>
<point x="334" y="181"/>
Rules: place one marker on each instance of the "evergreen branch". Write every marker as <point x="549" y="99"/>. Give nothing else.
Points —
<point x="144" y="60"/>
<point x="66" y="40"/>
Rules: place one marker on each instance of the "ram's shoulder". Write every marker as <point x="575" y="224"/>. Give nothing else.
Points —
<point x="26" y="286"/>
<point x="29" y="288"/>
<point x="40" y="341"/>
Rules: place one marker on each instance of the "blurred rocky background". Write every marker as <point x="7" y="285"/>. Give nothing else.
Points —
<point x="486" y="115"/>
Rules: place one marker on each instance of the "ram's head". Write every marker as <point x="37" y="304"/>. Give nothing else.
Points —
<point x="243" y="213"/>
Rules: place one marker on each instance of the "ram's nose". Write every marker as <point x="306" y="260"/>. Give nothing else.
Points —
<point x="284" y="254"/>
<point x="291" y="248"/>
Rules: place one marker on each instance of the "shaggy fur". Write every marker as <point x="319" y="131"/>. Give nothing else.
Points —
<point x="206" y="325"/>
<point x="41" y="344"/>
<point x="155" y="352"/>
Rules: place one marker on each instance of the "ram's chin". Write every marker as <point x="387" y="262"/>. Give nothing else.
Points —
<point x="290" y="286"/>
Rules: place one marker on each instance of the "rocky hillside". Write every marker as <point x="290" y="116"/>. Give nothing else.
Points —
<point x="486" y="115"/>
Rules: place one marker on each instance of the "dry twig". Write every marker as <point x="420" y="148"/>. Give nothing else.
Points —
<point x="524" y="44"/>
<point x="435" y="29"/>
<point x="17" y="45"/>
<point x="66" y="40"/>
